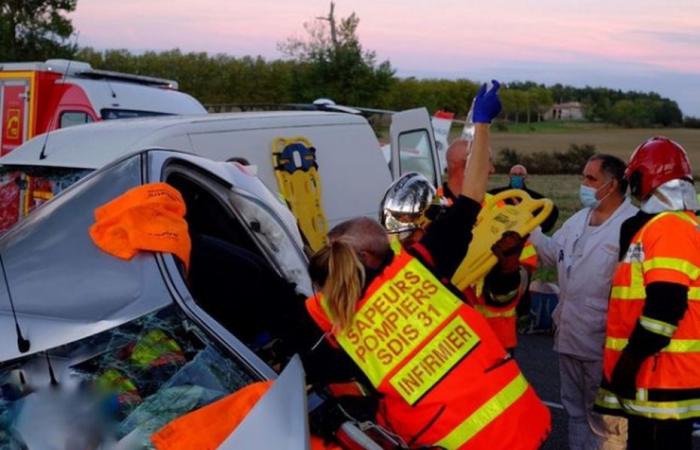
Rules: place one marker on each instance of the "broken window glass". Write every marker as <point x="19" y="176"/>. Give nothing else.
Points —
<point x="118" y="386"/>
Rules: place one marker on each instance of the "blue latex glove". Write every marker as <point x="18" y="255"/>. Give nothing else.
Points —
<point x="487" y="105"/>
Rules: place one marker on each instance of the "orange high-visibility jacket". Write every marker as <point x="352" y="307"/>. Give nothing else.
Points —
<point x="502" y="319"/>
<point x="444" y="376"/>
<point x="665" y="249"/>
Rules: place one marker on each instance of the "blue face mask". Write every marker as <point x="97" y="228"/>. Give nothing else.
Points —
<point x="587" y="196"/>
<point x="517" y="181"/>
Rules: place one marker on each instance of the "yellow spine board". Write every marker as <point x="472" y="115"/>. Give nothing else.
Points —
<point x="301" y="190"/>
<point x="492" y="221"/>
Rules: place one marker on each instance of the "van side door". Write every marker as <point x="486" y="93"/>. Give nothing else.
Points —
<point x="413" y="145"/>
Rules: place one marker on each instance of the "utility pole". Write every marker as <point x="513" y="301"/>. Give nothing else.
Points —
<point x="331" y="21"/>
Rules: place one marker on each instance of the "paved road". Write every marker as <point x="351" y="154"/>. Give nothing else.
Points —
<point x="539" y="364"/>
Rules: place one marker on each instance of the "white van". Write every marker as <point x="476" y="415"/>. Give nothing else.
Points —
<point x="352" y="169"/>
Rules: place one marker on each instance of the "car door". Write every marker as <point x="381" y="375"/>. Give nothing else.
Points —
<point x="413" y="145"/>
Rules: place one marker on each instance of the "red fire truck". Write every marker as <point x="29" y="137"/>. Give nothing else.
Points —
<point x="36" y="97"/>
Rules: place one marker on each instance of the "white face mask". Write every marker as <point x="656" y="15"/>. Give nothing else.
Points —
<point x="674" y="195"/>
<point x="588" y="198"/>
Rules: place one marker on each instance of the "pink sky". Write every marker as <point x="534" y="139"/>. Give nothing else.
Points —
<point x="626" y="44"/>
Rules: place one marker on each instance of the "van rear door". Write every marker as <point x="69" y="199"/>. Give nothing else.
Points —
<point x="413" y="145"/>
<point x="14" y="115"/>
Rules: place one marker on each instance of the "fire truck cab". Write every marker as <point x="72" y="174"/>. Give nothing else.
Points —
<point x="36" y="97"/>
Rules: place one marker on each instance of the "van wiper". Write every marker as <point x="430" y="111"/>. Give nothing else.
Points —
<point x="22" y="343"/>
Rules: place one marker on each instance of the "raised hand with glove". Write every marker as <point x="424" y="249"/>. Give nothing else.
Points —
<point x="486" y="107"/>
<point x="487" y="104"/>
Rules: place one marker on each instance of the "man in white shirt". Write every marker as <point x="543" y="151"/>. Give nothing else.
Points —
<point x="585" y="252"/>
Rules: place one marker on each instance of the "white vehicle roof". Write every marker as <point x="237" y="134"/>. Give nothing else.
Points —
<point x="139" y="97"/>
<point x="114" y="139"/>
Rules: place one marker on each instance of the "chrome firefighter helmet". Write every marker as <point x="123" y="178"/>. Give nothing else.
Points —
<point x="407" y="203"/>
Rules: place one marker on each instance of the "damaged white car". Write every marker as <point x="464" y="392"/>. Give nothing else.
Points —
<point x="160" y="340"/>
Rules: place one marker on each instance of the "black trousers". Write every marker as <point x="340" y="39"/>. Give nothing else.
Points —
<point x="649" y="434"/>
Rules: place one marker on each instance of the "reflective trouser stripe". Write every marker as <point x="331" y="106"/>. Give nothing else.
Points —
<point x="678" y="410"/>
<point x="638" y="293"/>
<point x="489" y="314"/>
<point x="486" y="414"/>
<point x="657" y="326"/>
<point x="675" y="346"/>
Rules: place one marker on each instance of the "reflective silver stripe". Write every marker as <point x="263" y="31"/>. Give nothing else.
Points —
<point x="642" y="394"/>
<point x="484" y="311"/>
<point x="657" y="326"/>
<point x="683" y="409"/>
<point x="505" y="298"/>
<point x="675" y="346"/>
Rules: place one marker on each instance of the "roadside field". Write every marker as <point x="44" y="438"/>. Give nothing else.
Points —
<point x="617" y="141"/>
<point x="558" y="136"/>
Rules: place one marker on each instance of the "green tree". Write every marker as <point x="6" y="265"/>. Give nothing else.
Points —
<point x="33" y="30"/>
<point x="334" y="64"/>
<point x="541" y="99"/>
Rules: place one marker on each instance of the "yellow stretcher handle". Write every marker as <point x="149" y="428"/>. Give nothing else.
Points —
<point x="495" y="218"/>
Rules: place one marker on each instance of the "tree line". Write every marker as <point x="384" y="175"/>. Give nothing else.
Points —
<point x="224" y="79"/>
<point x="329" y="62"/>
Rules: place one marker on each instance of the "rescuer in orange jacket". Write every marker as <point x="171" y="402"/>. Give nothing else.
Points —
<point x="496" y="296"/>
<point x="651" y="360"/>
<point x="443" y="377"/>
<point x="407" y="209"/>
<point x="494" y="299"/>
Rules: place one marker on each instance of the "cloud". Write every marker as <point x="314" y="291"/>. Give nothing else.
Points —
<point x="690" y="38"/>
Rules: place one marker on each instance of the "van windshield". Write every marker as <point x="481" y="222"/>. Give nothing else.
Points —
<point x="121" y="385"/>
<point x="110" y="114"/>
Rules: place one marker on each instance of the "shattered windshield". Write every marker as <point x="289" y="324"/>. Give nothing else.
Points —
<point x="115" y="388"/>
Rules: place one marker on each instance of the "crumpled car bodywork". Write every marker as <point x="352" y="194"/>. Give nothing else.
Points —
<point x="119" y="348"/>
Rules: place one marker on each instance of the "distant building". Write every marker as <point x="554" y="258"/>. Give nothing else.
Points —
<point x="565" y="111"/>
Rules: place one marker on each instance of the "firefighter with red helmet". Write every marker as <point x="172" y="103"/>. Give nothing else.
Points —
<point x="651" y="359"/>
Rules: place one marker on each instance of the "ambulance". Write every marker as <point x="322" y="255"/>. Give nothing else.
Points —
<point x="36" y="97"/>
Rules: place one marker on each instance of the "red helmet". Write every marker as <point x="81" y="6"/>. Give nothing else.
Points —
<point x="655" y="162"/>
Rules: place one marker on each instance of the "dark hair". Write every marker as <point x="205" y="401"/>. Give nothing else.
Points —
<point x="613" y="167"/>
